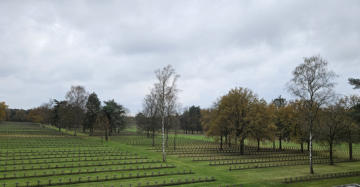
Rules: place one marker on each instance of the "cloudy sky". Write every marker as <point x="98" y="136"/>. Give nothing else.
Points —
<point x="113" y="47"/>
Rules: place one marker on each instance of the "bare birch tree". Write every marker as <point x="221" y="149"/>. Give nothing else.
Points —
<point x="313" y="83"/>
<point x="166" y="92"/>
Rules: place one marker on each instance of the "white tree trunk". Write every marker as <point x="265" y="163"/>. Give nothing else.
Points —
<point x="163" y="122"/>
<point x="163" y="139"/>
<point x="310" y="153"/>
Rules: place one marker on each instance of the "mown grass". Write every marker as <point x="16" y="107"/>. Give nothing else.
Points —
<point x="250" y="177"/>
<point x="253" y="177"/>
<point x="341" y="149"/>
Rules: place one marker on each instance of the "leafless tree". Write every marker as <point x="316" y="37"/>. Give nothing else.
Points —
<point x="351" y="128"/>
<point x="313" y="83"/>
<point x="77" y="95"/>
<point x="331" y="126"/>
<point x="166" y="94"/>
<point x="76" y="98"/>
<point x="151" y="112"/>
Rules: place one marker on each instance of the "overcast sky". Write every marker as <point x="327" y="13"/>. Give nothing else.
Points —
<point x="113" y="47"/>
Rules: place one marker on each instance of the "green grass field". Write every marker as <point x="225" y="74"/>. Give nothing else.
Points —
<point x="36" y="155"/>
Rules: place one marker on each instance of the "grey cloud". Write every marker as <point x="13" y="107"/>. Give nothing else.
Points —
<point x="113" y="47"/>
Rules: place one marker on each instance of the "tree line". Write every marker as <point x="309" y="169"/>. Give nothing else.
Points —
<point x="79" y="111"/>
<point x="317" y="113"/>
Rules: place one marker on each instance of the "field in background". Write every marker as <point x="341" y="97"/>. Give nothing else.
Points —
<point x="35" y="155"/>
<point x="340" y="150"/>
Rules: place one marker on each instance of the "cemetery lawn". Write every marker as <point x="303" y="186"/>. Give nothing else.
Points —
<point x="43" y="150"/>
<point x="255" y="177"/>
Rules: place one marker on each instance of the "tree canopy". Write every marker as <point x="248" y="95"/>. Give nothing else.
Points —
<point x="3" y="108"/>
<point x="355" y="83"/>
<point x="312" y="83"/>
